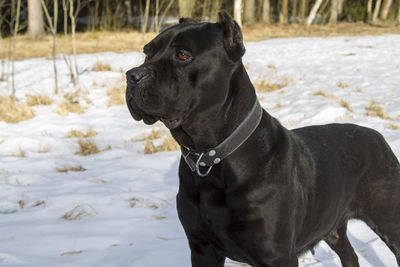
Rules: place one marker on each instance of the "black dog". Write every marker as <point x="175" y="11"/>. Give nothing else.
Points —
<point x="250" y="189"/>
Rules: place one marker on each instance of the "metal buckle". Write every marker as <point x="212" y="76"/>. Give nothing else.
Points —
<point x="198" y="167"/>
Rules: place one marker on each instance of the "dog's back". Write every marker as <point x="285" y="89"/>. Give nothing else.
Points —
<point x="360" y="175"/>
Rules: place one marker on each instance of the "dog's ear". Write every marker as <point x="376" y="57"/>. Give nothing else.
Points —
<point x="187" y="20"/>
<point x="233" y="38"/>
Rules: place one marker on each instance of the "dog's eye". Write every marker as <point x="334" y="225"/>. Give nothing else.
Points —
<point x="182" y="55"/>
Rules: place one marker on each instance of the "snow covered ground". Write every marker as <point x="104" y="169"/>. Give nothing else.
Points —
<point x="119" y="209"/>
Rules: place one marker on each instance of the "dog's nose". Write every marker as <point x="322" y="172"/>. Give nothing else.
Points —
<point x="136" y="74"/>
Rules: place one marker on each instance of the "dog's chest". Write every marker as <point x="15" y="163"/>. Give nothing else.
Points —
<point x="213" y="218"/>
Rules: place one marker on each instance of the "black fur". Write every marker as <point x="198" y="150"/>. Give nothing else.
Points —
<point x="282" y="191"/>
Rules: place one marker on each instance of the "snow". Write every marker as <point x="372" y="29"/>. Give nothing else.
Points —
<point x="120" y="210"/>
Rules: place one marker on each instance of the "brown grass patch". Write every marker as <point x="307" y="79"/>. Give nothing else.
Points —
<point x="43" y="148"/>
<point x="154" y="134"/>
<point x="37" y="100"/>
<point x="345" y="104"/>
<point x="392" y="126"/>
<point x="168" y="142"/>
<point x="261" y="31"/>
<point x="267" y="87"/>
<point x="278" y="105"/>
<point x="20" y="153"/>
<point x="94" y="42"/>
<point x="78" y="134"/>
<point x="99" y="66"/>
<point x="21" y="202"/>
<point x="66" y="169"/>
<point x="343" y="85"/>
<point x="116" y="95"/>
<point x="72" y="252"/>
<point x="375" y="110"/>
<point x="71" y="104"/>
<point x="133" y="201"/>
<point x="86" y="43"/>
<point x="320" y="93"/>
<point x="79" y="212"/>
<point x="14" y="112"/>
<point x="87" y="147"/>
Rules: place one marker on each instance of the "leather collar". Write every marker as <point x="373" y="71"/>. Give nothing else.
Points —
<point x="208" y="158"/>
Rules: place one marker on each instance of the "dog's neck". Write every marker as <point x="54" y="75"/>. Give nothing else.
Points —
<point x="199" y="134"/>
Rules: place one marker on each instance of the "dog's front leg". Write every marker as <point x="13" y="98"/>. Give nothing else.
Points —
<point x="204" y="255"/>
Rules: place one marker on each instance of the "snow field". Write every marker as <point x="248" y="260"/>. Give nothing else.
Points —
<point x="118" y="209"/>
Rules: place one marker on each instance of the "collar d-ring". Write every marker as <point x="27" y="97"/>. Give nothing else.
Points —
<point x="198" y="167"/>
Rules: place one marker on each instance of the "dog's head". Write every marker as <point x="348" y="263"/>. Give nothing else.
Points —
<point x="187" y="68"/>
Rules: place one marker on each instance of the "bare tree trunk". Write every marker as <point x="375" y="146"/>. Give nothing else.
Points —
<point x="303" y="9"/>
<point x="386" y="8"/>
<point x="334" y="12"/>
<point x="369" y="10"/>
<point x="2" y="18"/>
<point x="283" y="14"/>
<point x="266" y="16"/>
<point x="237" y="11"/>
<point x="340" y="6"/>
<point x="398" y="15"/>
<point x="157" y="13"/>
<point x="166" y="10"/>
<point x="185" y="8"/>
<point x="35" y="19"/>
<point x="294" y="11"/>
<point x="66" y="52"/>
<point x="73" y="27"/>
<point x="128" y="8"/>
<point x="216" y="6"/>
<point x="204" y="10"/>
<point x="145" y="17"/>
<point x="313" y="12"/>
<point x="14" y="41"/>
<point x="53" y="28"/>
<point x="376" y="10"/>
<point x="249" y="11"/>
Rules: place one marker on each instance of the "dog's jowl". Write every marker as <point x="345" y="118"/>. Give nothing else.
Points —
<point x="250" y="189"/>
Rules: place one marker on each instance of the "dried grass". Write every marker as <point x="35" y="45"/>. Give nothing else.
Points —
<point x="20" y="153"/>
<point x="343" y="85"/>
<point x="43" y="148"/>
<point x="345" y="104"/>
<point x="267" y="87"/>
<point x="99" y="66"/>
<point x="94" y="42"/>
<point x="79" y="212"/>
<point x="133" y="201"/>
<point x="168" y="144"/>
<point x="71" y="104"/>
<point x="37" y="100"/>
<point x="78" y="134"/>
<point x="116" y="95"/>
<point x="14" y="112"/>
<point x="71" y="252"/>
<point x="392" y="126"/>
<point x="375" y="110"/>
<point x="67" y="169"/>
<point x="261" y="31"/>
<point x="320" y="93"/>
<point x="21" y="202"/>
<point x="86" y="43"/>
<point x="87" y="147"/>
<point x="154" y="134"/>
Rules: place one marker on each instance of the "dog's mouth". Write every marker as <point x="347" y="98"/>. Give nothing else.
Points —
<point x="138" y="115"/>
<point x="172" y="124"/>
